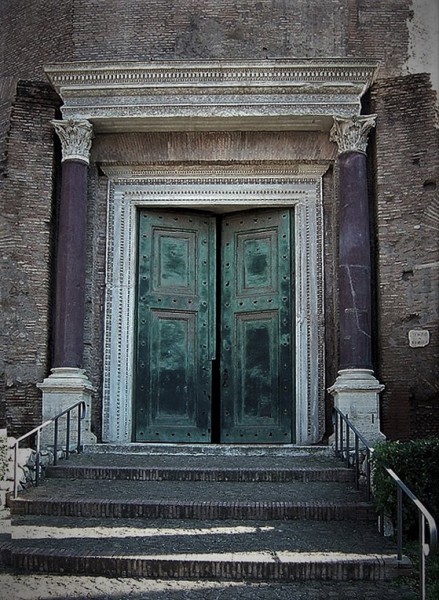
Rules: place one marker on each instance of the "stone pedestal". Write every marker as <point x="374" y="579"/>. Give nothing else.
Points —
<point x="356" y="394"/>
<point x="63" y="388"/>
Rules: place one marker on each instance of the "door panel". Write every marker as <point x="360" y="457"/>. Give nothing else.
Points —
<point x="256" y="304"/>
<point x="174" y="338"/>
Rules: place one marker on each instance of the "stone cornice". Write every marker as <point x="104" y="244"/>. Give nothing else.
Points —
<point x="216" y="95"/>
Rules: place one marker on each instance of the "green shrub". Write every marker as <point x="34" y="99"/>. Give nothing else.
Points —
<point x="417" y="464"/>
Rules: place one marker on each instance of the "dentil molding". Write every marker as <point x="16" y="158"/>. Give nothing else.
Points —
<point x="294" y="94"/>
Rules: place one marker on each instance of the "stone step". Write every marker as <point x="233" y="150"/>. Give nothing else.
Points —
<point x="186" y="500"/>
<point x="135" y="466"/>
<point x="170" y="449"/>
<point x="274" y="551"/>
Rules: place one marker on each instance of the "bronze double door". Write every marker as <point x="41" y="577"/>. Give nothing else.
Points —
<point x="214" y="330"/>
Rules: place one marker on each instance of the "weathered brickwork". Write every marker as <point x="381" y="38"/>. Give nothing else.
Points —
<point x="407" y="227"/>
<point x="32" y="34"/>
<point x="246" y="29"/>
<point x="27" y="191"/>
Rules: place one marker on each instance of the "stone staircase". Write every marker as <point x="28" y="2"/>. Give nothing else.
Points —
<point x="200" y="512"/>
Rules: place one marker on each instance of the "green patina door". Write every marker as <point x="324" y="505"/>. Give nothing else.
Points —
<point x="256" y="330"/>
<point x="182" y="324"/>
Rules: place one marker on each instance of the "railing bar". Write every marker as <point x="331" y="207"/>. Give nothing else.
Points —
<point x="37" y="460"/>
<point x="357" y="463"/>
<point x="422" y="582"/>
<point x="341" y="438"/>
<point x="37" y="430"/>
<point x="336" y="433"/>
<point x="26" y="435"/>
<point x="78" y="447"/>
<point x="424" y="514"/>
<point x="399" y="522"/>
<point x="68" y="436"/>
<point x="15" y="469"/>
<point x="352" y="426"/>
<point x="369" y="483"/>
<point x="55" y="442"/>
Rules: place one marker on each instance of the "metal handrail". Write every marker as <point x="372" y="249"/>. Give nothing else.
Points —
<point x="340" y="448"/>
<point x="82" y="410"/>
<point x="425" y="517"/>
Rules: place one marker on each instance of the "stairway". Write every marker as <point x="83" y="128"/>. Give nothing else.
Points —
<point x="200" y="512"/>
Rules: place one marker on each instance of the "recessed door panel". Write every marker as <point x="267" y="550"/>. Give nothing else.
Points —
<point x="256" y="307"/>
<point x="174" y="320"/>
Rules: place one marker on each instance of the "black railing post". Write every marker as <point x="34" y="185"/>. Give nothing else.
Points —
<point x="37" y="460"/>
<point x="422" y="584"/>
<point x="68" y="436"/>
<point x="357" y="463"/>
<point x="341" y="438"/>
<point x="55" y="441"/>
<point x="336" y="432"/>
<point x="368" y="474"/>
<point x="347" y="445"/>
<point x="399" y="521"/>
<point x="80" y="409"/>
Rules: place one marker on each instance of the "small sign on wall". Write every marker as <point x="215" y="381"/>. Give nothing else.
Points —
<point x="418" y="338"/>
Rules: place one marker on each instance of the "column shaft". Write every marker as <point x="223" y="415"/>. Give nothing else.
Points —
<point x="70" y="266"/>
<point x="354" y="263"/>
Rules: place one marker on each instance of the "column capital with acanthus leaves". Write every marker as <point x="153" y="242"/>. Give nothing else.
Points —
<point x="351" y="134"/>
<point x="76" y="137"/>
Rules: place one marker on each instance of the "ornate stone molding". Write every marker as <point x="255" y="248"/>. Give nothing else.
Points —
<point x="350" y="134"/>
<point x="76" y="137"/>
<point x="228" y="188"/>
<point x="212" y="95"/>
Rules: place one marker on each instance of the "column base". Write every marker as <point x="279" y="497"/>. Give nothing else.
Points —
<point x="356" y="394"/>
<point x="63" y="388"/>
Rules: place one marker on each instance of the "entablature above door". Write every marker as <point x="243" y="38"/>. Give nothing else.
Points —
<point x="252" y="95"/>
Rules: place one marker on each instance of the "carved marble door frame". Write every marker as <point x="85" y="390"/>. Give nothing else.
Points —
<point x="218" y="190"/>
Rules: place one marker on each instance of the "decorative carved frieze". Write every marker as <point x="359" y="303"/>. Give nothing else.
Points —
<point x="76" y="137"/>
<point x="212" y="95"/>
<point x="351" y="134"/>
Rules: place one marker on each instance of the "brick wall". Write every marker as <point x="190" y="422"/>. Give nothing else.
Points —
<point x="32" y="34"/>
<point x="26" y="218"/>
<point x="407" y="231"/>
<point x="245" y="29"/>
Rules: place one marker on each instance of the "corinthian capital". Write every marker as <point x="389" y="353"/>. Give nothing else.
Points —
<point x="75" y="139"/>
<point x="350" y="134"/>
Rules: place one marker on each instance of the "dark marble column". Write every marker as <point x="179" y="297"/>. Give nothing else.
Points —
<point x="68" y="384"/>
<point x="76" y="139"/>
<point x="356" y="390"/>
<point x="354" y="261"/>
